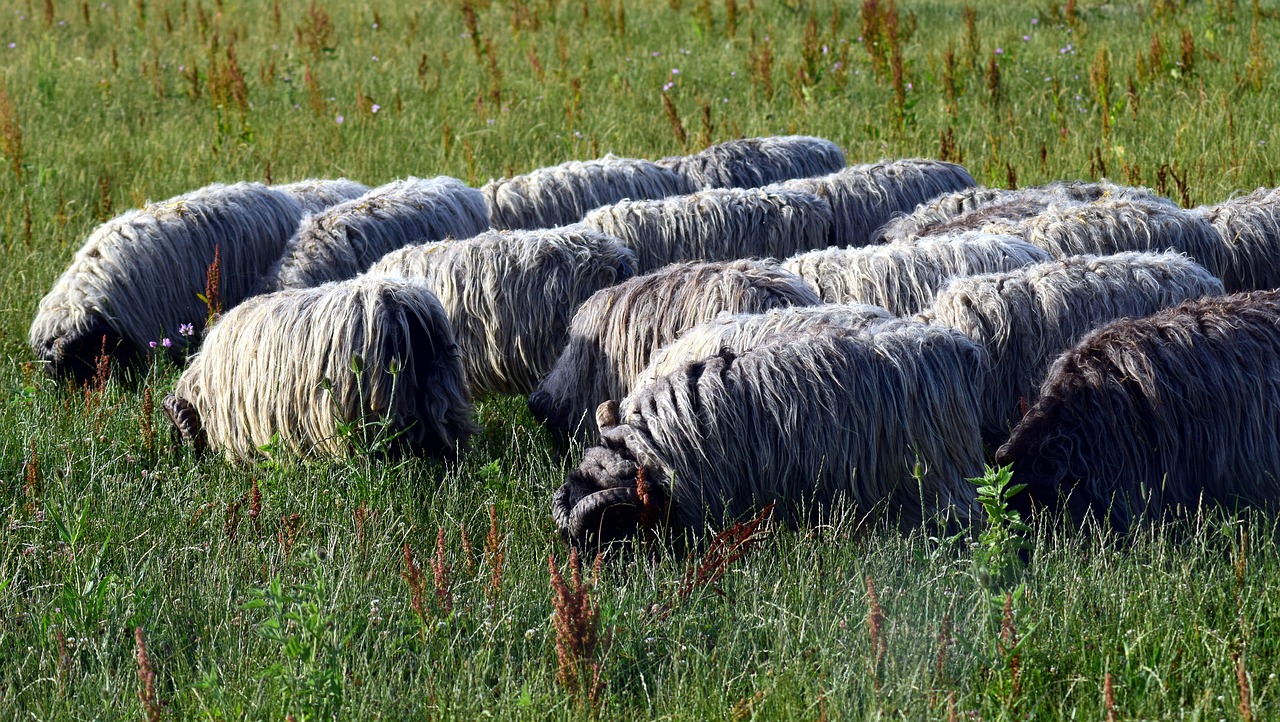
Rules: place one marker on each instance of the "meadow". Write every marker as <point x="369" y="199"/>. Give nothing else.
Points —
<point x="139" y="581"/>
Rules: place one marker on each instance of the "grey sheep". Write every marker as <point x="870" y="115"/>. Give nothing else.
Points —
<point x="511" y="294"/>
<point x="614" y="334"/>
<point x="1027" y="317"/>
<point x="755" y="162"/>
<point x="903" y="277"/>
<point x="864" y="197"/>
<point x="563" y="194"/>
<point x="739" y="332"/>
<point x="716" y="225"/>
<point x="346" y="239"/>
<point x="282" y="372"/>
<point x="138" y="277"/>
<point x="1146" y="417"/>
<point x="1249" y="227"/>
<point x="884" y="420"/>
<point x="959" y="211"/>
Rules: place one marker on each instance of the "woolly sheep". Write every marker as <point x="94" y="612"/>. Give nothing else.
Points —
<point x="511" y="294"/>
<point x="958" y="211"/>
<point x="1146" y="416"/>
<point x="885" y="419"/>
<point x="286" y="369"/>
<point x="563" y="194"/>
<point x="754" y="162"/>
<point x="739" y="332"/>
<point x="614" y="333"/>
<point x="347" y="238"/>
<point x="315" y="195"/>
<point x="903" y="277"/>
<point x="864" y="197"/>
<point x="716" y="225"/>
<point x="1249" y="227"/>
<point x="1025" y="318"/>
<point x="1113" y="226"/>
<point x="138" y="276"/>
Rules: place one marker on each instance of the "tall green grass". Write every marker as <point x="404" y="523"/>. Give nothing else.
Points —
<point x="299" y="599"/>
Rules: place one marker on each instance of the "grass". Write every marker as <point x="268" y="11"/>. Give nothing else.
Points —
<point x="284" y="590"/>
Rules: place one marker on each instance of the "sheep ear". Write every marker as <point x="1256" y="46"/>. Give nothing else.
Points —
<point x="607" y="415"/>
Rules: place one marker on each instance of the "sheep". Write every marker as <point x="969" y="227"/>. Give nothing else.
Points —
<point x="716" y="225"/>
<point x="315" y="195"/>
<point x="741" y="332"/>
<point x="755" y="162"/>
<point x="903" y="277"/>
<point x="885" y="419"/>
<point x="348" y="238"/>
<point x="563" y="194"/>
<point x="864" y="197"/>
<point x="511" y="294"/>
<point x="614" y="333"/>
<point x="1026" y="317"/>
<point x="1112" y="226"/>
<point x="1148" y="416"/>
<point x="1249" y="227"/>
<point x="284" y="373"/>
<point x="955" y="212"/>
<point x="138" y="277"/>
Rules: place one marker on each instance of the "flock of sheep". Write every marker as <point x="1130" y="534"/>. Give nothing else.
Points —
<point x="918" y="326"/>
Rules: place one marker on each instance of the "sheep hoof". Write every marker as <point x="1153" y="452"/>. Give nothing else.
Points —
<point x="186" y="420"/>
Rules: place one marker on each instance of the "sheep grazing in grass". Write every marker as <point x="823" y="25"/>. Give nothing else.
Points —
<point x="958" y="211"/>
<point x="1025" y="318"/>
<point x="138" y="277"/>
<point x="739" y="332"/>
<point x="563" y="194"/>
<point x="511" y="294"/>
<point x="347" y="238"/>
<point x="755" y="162"/>
<point x="1149" y="416"/>
<point x="1249" y="227"/>
<point x="1113" y="226"/>
<point x="367" y="364"/>
<point x="865" y="197"/>
<point x="614" y="334"/>
<point x="903" y="277"/>
<point x="315" y="195"/>
<point x="885" y="419"/>
<point x="716" y="225"/>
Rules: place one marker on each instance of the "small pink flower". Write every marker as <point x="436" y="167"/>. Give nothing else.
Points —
<point x="375" y="108"/>
<point x="153" y="344"/>
<point x="166" y="342"/>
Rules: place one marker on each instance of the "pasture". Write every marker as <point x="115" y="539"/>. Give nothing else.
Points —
<point x="140" y="581"/>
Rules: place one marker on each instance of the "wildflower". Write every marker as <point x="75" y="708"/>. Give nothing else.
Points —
<point x="1026" y="38"/>
<point x="153" y="344"/>
<point x="375" y="26"/>
<point x="186" y="329"/>
<point x="824" y="50"/>
<point x="1035" y="21"/>
<point x="375" y="108"/>
<point x="999" y="51"/>
<point x="339" y="120"/>
<point x="375" y="58"/>
<point x="675" y="71"/>
<point x="12" y="45"/>
<point x="166" y="342"/>
<point x="182" y="68"/>
<point x="655" y="54"/>
<point x="489" y="121"/>
<point x="668" y="86"/>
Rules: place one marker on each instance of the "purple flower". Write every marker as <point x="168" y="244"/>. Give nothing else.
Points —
<point x="655" y="53"/>
<point x="186" y="329"/>
<point x="339" y="120"/>
<point x="675" y="71"/>
<point x="375" y="108"/>
<point x="153" y="344"/>
<point x="1026" y="38"/>
<point x="375" y="58"/>
<point x="166" y="342"/>
<point x="12" y="45"/>
<point x="1035" y="21"/>
<point x="999" y="51"/>
<point x="909" y="86"/>
<point x="668" y="86"/>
